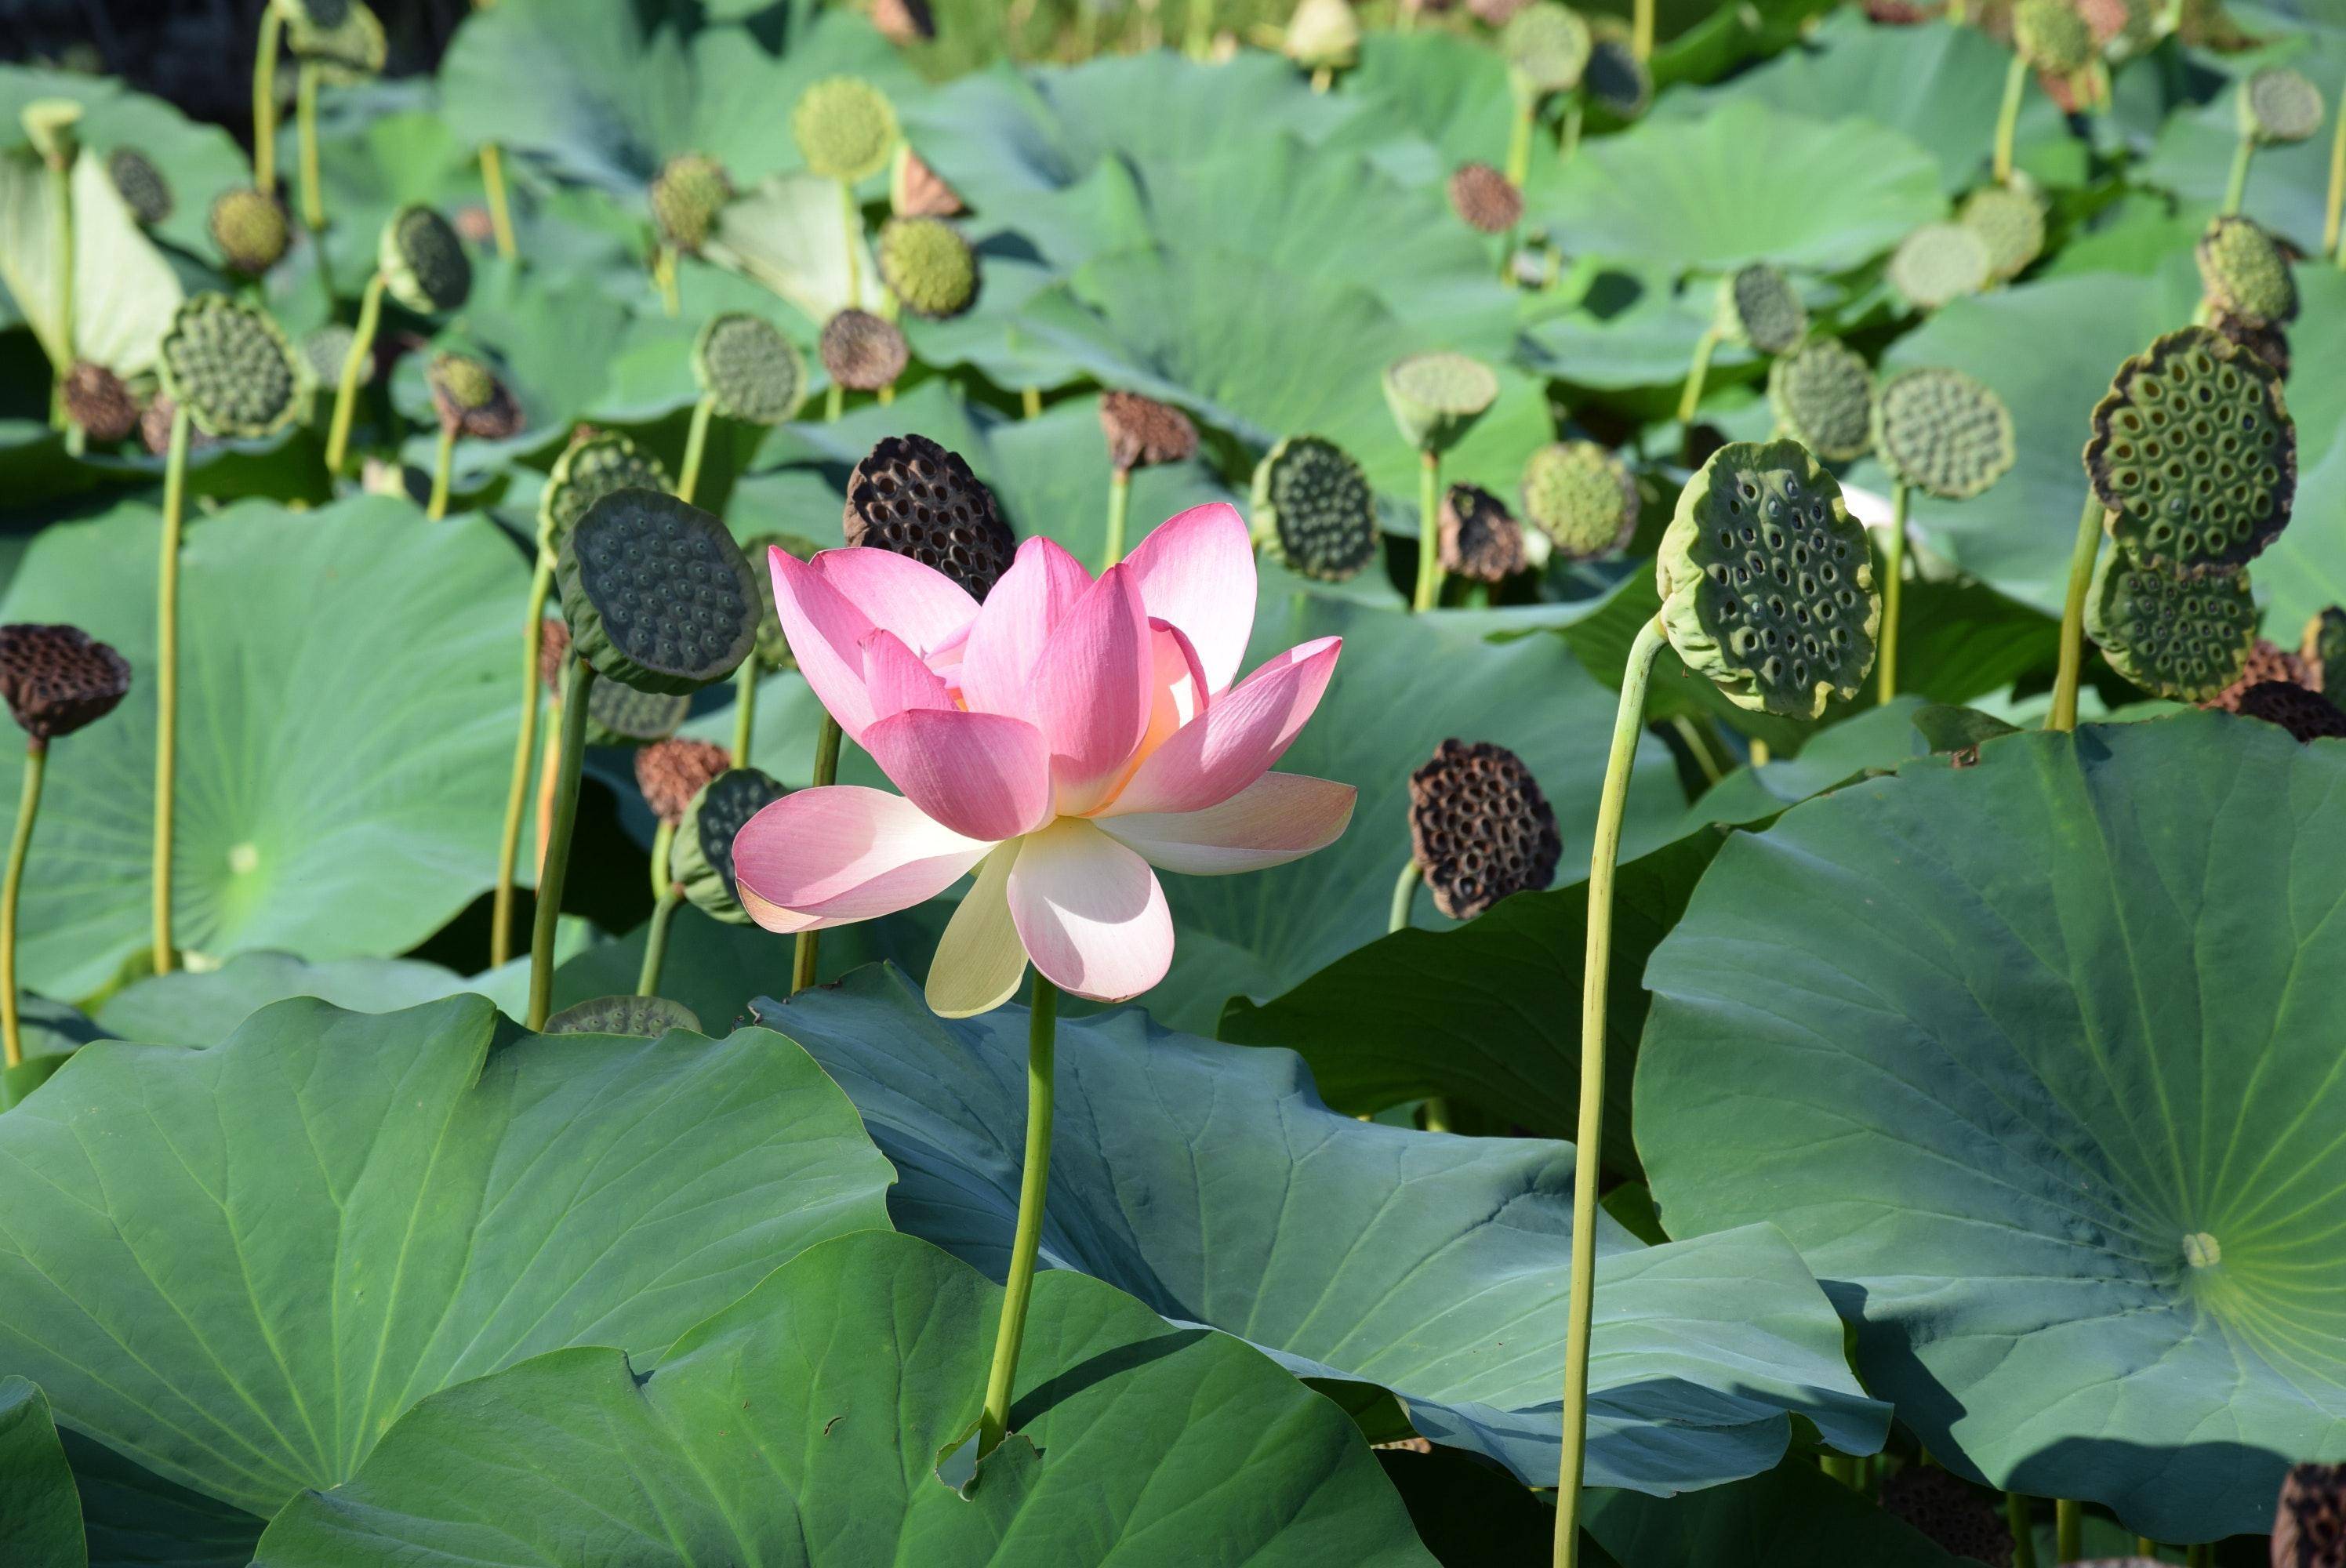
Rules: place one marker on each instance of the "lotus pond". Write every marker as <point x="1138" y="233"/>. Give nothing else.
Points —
<point x="1175" y="783"/>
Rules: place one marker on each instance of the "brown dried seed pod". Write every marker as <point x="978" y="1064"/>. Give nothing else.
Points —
<point x="1143" y="433"/>
<point x="1941" y="1506"/>
<point x="1480" y="537"/>
<point x="1479" y="828"/>
<point x="2267" y="661"/>
<point x="862" y="352"/>
<point x="56" y="680"/>
<point x="155" y="428"/>
<point x="2269" y="340"/>
<point x="2307" y="715"/>
<point x="912" y="496"/>
<point x="671" y="772"/>
<point x="1487" y="199"/>
<point x="552" y="649"/>
<point x="471" y="398"/>
<point x="97" y="402"/>
<point x="2310" y="1523"/>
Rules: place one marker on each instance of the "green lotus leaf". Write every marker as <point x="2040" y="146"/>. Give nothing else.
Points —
<point x="657" y="596"/>
<point x="196" y="161"/>
<point x="1941" y="431"/>
<point x="2070" y="1181"/>
<point x="40" y="1513"/>
<point x="2174" y="634"/>
<point x="1822" y="396"/>
<point x="1794" y="1514"/>
<point x="845" y="128"/>
<point x="423" y="263"/>
<point x="2305" y="568"/>
<point x="602" y="464"/>
<point x="2289" y="184"/>
<point x="643" y="1018"/>
<point x="750" y="369"/>
<point x="1699" y="1355"/>
<point x="702" y="860"/>
<point x="2010" y="221"/>
<point x="1547" y="46"/>
<point x="1759" y="307"/>
<point x="1581" y="497"/>
<point x="790" y="237"/>
<point x="1940" y="263"/>
<point x="125" y="293"/>
<point x="2280" y="104"/>
<point x="2246" y="272"/>
<point x="1311" y="503"/>
<point x="186" y="1007"/>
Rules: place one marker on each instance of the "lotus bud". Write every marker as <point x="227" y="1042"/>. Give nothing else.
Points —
<point x="58" y="679"/>
<point x="1546" y="47"/>
<point x="2280" y="104"/>
<point x="231" y="365"/>
<point x="1437" y="397"/>
<point x="1940" y="263"/>
<point x="600" y="464"/>
<point x="1943" y="432"/>
<point x="1759" y="306"/>
<point x="1479" y="828"/>
<point x="2175" y="635"/>
<point x="845" y="128"/>
<point x="1313" y="503"/>
<point x="862" y="352"/>
<point x="1822" y="396"/>
<point x="1143" y="433"/>
<point x="912" y="497"/>
<point x="470" y="399"/>
<point x="2010" y="222"/>
<point x="658" y="594"/>
<point x="702" y="859"/>
<point x="2246" y="272"/>
<point x="929" y="265"/>
<point x="423" y="263"/>
<point x="671" y="772"/>
<point x="749" y="369"/>
<point x="637" y="1017"/>
<point x="250" y="230"/>
<point x="1582" y="498"/>
<point x="142" y="186"/>
<point x="1486" y="199"/>
<point x="690" y="190"/>
<point x="916" y="190"/>
<point x="98" y="403"/>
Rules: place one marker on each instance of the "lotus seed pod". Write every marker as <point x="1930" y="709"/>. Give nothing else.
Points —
<point x="97" y="401"/>
<point x="702" y="860"/>
<point x="58" y="679"/>
<point x="916" y="190"/>
<point x="2266" y="661"/>
<point x="250" y="230"/>
<point x="155" y="427"/>
<point x="312" y="13"/>
<point x="912" y="497"/>
<point x="553" y="652"/>
<point x="470" y="399"/>
<point x="750" y="370"/>
<point x="2175" y="635"/>
<point x="142" y="186"/>
<point x="639" y="1017"/>
<point x="2051" y="36"/>
<point x="1616" y="81"/>
<point x="1480" y="538"/>
<point x="229" y="363"/>
<point x="621" y="716"/>
<point x="53" y="127"/>
<point x="2310" y="1523"/>
<point x="2010" y="224"/>
<point x="1323" y="35"/>
<point x="2194" y="452"/>
<point x="862" y="352"/>
<point x="670" y="772"/>
<point x="1435" y="397"/>
<point x="929" y="265"/>
<point x="350" y="50"/>
<point x="1766" y="582"/>
<point x="2323" y="648"/>
<point x="1581" y="497"/>
<point x="1314" y="506"/>
<point x="1942" y="1506"/>
<point x="1487" y="199"/>
<point x="1941" y="431"/>
<point x="1479" y="828"/>
<point x="1547" y="46"/>
<point x="690" y="190"/>
<point x="657" y="593"/>
<point x="2269" y="340"/>
<point x="2307" y="715"/>
<point x="1143" y="433"/>
<point x="1822" y="396"/>
<point x="903" y="23"/>
<point x="600" y="465"/>
<point x="423" y="263"/>
<point x="845" y="128"/>
<point x="2279" y="105"/>
<point x="2246" y="272"/>
<point x="773" y="652"/>
<point x="1757" y="306"/>
<point x="1940" y="263"/>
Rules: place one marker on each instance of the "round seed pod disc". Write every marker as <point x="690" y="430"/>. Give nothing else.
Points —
<point x="1547" y="46"/>
<point x="2302" y="711"/>
<point x="1940" y="263"/>
<point x="250" y="230"/>
<point x="1618" y="82"/>
<point x="1759" y="306"/>
<point x="2246" y="272"/>
<point x="58" y="679"/>
<point x="1480" y="537"/>
<point x="598" y="466"/>
<point x="2323" y="649"/>
<point x="1316" y="506"/>
<point x="702" y="861"/>
<point x="2194" y="452"/>
<point x="2051" y="36"/>
<point x="657" y="594"/>
<point x="845" y="128"/>
<point x="648" y="1017"/>
<point x="1484" y="199"/>
<point x="1941" y="431"/>
<point x="142" y="186"/>
<point x="2175" y="635"/>
<point x="1143" y="433"/>
<point x="862" y="352"/>
<point x="1823" y="395"/>
<point x="423" y="263"/>
<point x="621" y="716"/>
<point x="2280" y="104"/>
<point x="927" y="264"/>
<point x="229" y="365"/>
<point x="752" y="371"/>
<point x="1435" y="397"/>
<point x="914" y="497"/>
<point x="690" y="190"/>
<point x="1479" y="828"/>
<point x="349" y="50"/>
<point x="1581" y="497"/>
<point x="670" y="772"/>
<point x="2010" y="223"/>
<point x="1766" y="582"/>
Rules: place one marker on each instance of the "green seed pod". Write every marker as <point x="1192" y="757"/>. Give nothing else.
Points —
<point x="2194" y="452"/>
<point x="1581" y="497"/>
<point x="142" y="186"/>
<point x="1314" y="506"/>
<point x="2010" y="224"/>
<point x="1547" y="46"/>
<point x="2176" y="634"/>
<point x="1940" y="263"/>
<point x="621" y="716"/>
<point x="318" y="14"/>
<point x="686" y="195"/>
<point x="930" y="267"/>
<point x="423" y="263"/>
<point x="1941" y="431"/>
<point x="1616" y="81"/>
<point x="54" y="126"/>
<point x="648" y="1017"/>
<point x="2279" y="105"/>
<point x="1766" y="582"/>
<point x="657" y="594"/>
<point x="250" y="231"/>
<point x="773" y="651"/>
<point x="1823" y="395"/>
<point x="591" y="469"/>
<point x="845" y="128"/>
<point x="2051" y="36"/>
<point x="750" y="369"/>
<point x="702" y="860"/>
<point x="229" y="365"/>
<point x="470" y="399"/>
<point x="1323" y="35"/>
<point x="1757" y="306"/>
<point x="2246" y="272"/>
<point x="862" y="352"/>
<point x="2324" y="649"/>
<point x="348" y="51"/>
<point x="1435" y="397"/>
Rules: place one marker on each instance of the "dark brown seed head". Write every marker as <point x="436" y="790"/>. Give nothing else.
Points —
<point x="2267" y="661"/>
<point x="56" y="680"/>
<point x="671" y="772"/>
<point x="2269" y="340"/>
<point x="1487" y="199"/>
<point x="97" y="402"/>
<point x="553" y="648"/>
<point x="155" y="428"/>
<point x="1143" y="433"/>
<point x="1480" y="538"/>
<point x="914" y="497"/>
<point x="2309" y="1525"/>
<point x="1942" y="1506"/>
<point x="1479" y="828"/>
<point x="862" y="352"/>
<point x="2305" y="713"/>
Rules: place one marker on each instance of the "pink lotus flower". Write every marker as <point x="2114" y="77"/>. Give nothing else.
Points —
<point x="1061" y="741"/>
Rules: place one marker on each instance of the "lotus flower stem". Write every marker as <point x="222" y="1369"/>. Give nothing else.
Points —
<point x="1628" y="721"/>
<point x="167" y="680"/>
<point x="2236" y="187"/>
<point x="1033" y="1182"/>
<point x="264" y="102"/>
<point x="443" y="458"/>
<point x="1404" y="894"/>
<point x="305" y="120"/>
<point x="1119" y="507"/>
<point x="1429" y="531"/>
<point x="2331" y="243"/>
<point x="12" y="1038"/>
<point x="2200" y="1555"/>
<point x="1893" y="568"/>
<point x="666" y="895"/>
<point x="493" y="184"/>
<point x="61" y="240"/>
<point x="664" y="279"/>
<point x="1690" y="399"/>
<point x="2024" y="1532"/>
<point x="695" y="443"/>
<point x="745" y="708"/>
<point x="1567" y="142"/>
<point x="854" y="233"/>
<point x="549" y="773"/>
<point x="803" y="951"/>
<point x="2068" y="1529"/>
<point x="1519" y="139"/>
<point x="834" y="402"/>
<point x="346" y="395"/>
<point x="2007" y="117"/>
<point x="2144" y="1546"/>
<point x="1641" y="30"/>
<point x="540" y="587"/>
<point x="1030" y="402"/>
<point x="2073" y="617"/>
<point x="576" y="684"/>
<point x="1199" y="29"/>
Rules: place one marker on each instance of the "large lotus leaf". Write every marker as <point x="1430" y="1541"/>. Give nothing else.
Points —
<point x="346" y="731"/>
<point x="1212" y="1182"/>
<point x="2036" y="1062"/>
<point x="2289" y="184"/>
<point x="790" y="235"/>
<point x="648" y="374"/>
<point x="133" y="1518"/>
<point x="123" y="290"/>
<point x="40" y="1515"/>
<point x="1743" y="183"/>
<point x="1633" y="326"/>
<point x="802" y="1425"/>
<point x="237" y="1265"/>
<point x="198" y="160"/>
<point x="1425" y="102"/>
<point x="2305" y="569"/>
<point x="190" y="1008"/>
<point x="1795" y="1516"/>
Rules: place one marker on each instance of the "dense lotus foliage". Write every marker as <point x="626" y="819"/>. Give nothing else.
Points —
<point x="1383" y="782"/>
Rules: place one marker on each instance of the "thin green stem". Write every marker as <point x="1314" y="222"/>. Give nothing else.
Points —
<point x="493" y="183"/>
<point x="834" y="402"/>
<point x="2199" y="1555"/>
<point x="1429" y="531"/>
<point x="2024" y="1530"/>
<point x="2007" y="117"/>
<point x="2236" y="186"/>
<point x="854" y="233"/>
<point x="1034" y="1183"/>
<point x="264" y="102"/>
<point x="1119" y="507"/>
<point x="663" y="846"/>
<point x="61" y="239"/>
<point x="1030" y="402"/>
<point x="12" y="1036"/>
<point x="695" y="441"/>
<point x="1519" y="135"/>
<point x="803" y="953"/>
<point x="167" y="680"/>
<point x="1691" y="396"/>
<point x="745" y="708"/>
<point x="1404" y="894"/>
<point x="2144" y="1546"/>
<point x="2073" y="616"/>
<point x="576" y="684"/>
<point x="1894" y="573"/>
<point x="346" y="395"/>
<point x="541" y="587"/>
<point x="1641" y="30"/>
<point x="443" y="458"/>
<point x="1568" y="141"/>
<point x="1699" y="747"/>
<point x="664" y="279"/>
<point x="1628" y="723"/>
<point x="2068" y="1529"/>
<point x="1199" y="29"/>
<point x="656" y="942"/>
<point x="1841" y="1467"/>
<point x="305" y="120"/>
